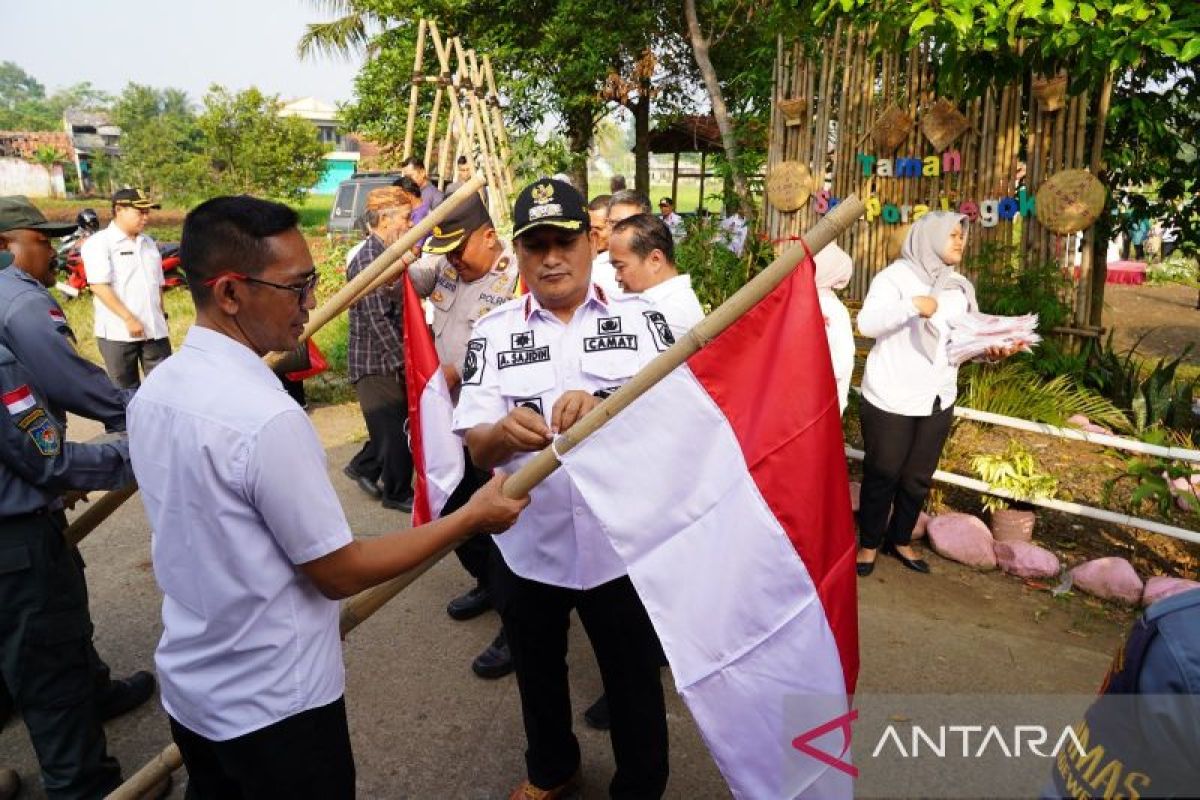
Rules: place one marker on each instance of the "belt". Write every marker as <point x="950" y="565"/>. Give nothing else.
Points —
<point x="45" y="511"/>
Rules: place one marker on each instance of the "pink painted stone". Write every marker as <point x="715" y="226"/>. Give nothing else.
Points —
<point x="855" y="488"/>
<point x="1079" y="420"/>
<point x="1160" y="587"/>
<point x="1112" y="578"/>
<point x="922" y="526"/>
<point x="962" y="538"/>
<point x="1026" y="560"/>
<point x="1085" y="424"/>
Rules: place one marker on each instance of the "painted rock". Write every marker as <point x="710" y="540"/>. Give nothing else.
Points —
<point x="1160" y="587"/>
<point x="1112" y="578"/>
<point x="1026" y="560"/>
<point x="962" y="538"/>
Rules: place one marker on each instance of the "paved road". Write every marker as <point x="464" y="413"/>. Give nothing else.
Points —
<point x="423" y="725"/>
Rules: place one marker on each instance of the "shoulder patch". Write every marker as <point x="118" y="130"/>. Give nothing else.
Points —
<point x="45" y="436"/>
<point x="473" y="362"/>
<point x="659" y="329"/>
<point x="58" y="316"/>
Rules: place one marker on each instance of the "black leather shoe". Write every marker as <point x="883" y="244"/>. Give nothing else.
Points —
<point x="366" y="484"/>
<point x="597" y="714"/>
<point x="469" y="605"/>
<point x="865" y="568"/>
<point x="915" y="564"/>
<point x="125" y="695"/>
<point x="403" y="504"/>
<point x="495" y="662"/>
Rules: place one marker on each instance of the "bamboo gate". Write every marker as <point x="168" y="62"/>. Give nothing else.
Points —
<point x="848" y="102"/>
<point x="472" y="123"/>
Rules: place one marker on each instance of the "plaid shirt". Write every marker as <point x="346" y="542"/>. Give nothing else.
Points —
<point x="374" y="346"/>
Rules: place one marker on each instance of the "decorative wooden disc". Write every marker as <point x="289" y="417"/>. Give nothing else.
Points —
<point x="943" y="123"/>
<point x="789" y="185"/>
<point x="1070" y="201"/>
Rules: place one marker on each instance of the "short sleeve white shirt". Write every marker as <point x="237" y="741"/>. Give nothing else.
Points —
<point x="604" y="274"/>
<point x="899" y="378"/>
<point x="676" y="300"/>
<point x="527" y="357"/>
<point x="234" y="483"/>
<point x="133" y="268"/>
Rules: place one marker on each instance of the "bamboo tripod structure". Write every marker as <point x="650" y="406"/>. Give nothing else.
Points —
<point x="473" y="123"/>
<point x="358" y="608"/>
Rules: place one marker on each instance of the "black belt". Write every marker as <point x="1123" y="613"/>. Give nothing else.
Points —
<point x="44" y="511"/>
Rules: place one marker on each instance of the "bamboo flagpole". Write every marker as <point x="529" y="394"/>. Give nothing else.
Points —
<point x="414" y="92"/>
<point x="358" y="608"/>
<point x="382" y="269"/>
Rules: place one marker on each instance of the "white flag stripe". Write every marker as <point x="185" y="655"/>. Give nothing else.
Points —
<point x="20" y="404"/>
<point x="734" y="605"/>
<point x="442" y="450"/>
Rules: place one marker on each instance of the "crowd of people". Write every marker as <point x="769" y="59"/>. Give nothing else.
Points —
<point x="250" y="663"/>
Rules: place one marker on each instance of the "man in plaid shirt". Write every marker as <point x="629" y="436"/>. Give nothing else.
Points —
<point x="383" y="468"/>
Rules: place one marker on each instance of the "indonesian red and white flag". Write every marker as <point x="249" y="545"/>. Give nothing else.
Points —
<point x="437" y="453"/>
<point x="724" y="489"/>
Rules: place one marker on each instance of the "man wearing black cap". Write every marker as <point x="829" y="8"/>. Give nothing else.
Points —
<point x="56" y="679"/>
<point x="544" y="361"/>
<point x="124" y="272"/>
<point x="467" y="271"/>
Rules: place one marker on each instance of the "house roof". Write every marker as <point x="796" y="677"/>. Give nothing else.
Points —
<point x="687" y="134"/>
<point x="310" y="108"/>
<point x="25" y="144"/>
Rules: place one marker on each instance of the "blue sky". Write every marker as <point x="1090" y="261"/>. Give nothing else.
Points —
<point x="185" y="44"/>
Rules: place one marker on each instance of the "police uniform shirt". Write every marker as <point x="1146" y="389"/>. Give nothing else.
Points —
<point x="525" y="356"/>
<point x="34" y="327"/>
<point x="37" y="464"/>
<point x="235" y="486"/>
<point x="457" y="305"/>
<point x="678" y="303"/>
<point x="133" y="268"/>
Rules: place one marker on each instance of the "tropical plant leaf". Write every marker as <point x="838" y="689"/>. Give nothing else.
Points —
<point x="1015" y="390"/>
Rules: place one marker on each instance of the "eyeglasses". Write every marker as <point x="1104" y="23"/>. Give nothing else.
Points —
<point x="303" y="291"/>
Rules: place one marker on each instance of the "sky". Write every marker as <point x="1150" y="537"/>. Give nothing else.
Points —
<point x="184" y="44"/>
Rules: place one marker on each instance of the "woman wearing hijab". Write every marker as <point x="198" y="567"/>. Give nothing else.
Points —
<point x="834" y="268"/>
<point x="909" y="385"/>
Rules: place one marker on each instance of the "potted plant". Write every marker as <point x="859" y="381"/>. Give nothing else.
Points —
<point x="1015" y="471"/>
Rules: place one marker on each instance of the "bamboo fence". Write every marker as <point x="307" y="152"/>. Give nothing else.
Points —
<point x="844" y="85"/>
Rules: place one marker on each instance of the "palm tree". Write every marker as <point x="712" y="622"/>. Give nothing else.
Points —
<point x="350" y="32"/>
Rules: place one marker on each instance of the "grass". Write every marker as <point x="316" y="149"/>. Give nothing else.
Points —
<point x="687" y="201"/>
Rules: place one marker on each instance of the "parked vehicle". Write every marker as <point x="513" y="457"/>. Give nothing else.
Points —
<point x="351" y="200"/>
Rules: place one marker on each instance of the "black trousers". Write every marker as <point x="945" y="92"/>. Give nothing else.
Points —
<point x="47" y="659"/>
<point x="536" y="617"/>
<point x="385" y="457"/>
<point x="307" y="755"/>
<point x="475" y="553"/>
<point x="121" y="359"/>
<point x="900" y="456"/>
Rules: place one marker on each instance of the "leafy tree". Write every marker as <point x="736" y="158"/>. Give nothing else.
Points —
<point x="24" y="105"/>
<point x="161" y="142"/>
<point x="249" y="148"/>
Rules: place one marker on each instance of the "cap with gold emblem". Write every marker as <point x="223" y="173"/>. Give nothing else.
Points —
<point x="547" y="201"/>
<point x="469" y="216"/>
<point x="133" y="197"/>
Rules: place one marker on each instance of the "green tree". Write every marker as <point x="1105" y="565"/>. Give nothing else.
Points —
<point x="24" y="105"/>
<point x="161" y="142"/>
<point x="249" y="148"/>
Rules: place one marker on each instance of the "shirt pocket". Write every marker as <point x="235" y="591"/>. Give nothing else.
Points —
<point x="526" y="386"/>
<point x="608" y="369"/>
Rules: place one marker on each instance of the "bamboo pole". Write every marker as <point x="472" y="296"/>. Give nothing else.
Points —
<point x="414" y="92"/>
<point x="1099" y="275"/>
<point x="493" y="102"/>
<point x="431" y="135"/>
<point x="481" y="132"/>
<point x="521" y="482"/>
<point x="478" y="100"/>
<point x="98" y="511"/>
<point x="153" y="773"/>
<point x="353" y="290"/>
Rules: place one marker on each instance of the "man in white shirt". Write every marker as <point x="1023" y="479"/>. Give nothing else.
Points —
<point x="643" y="254"/>
<point x="602" y="269"/>
<point x="545" y="360"/>
<point x="666" y="209"/>
<point x="733" y="232"/>
<point x="250" y="546"/>
<point x="124" y="272"/>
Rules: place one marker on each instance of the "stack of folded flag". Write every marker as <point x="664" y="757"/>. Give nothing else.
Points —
<point x="973" y="334"/>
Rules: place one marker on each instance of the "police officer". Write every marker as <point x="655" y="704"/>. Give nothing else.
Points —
<point x="1141" y="737"/>
<point x="34" y="329"/>
<point x="466" y="271"/>
<point x="544" y="361"/>
<point x="45" y="628"/>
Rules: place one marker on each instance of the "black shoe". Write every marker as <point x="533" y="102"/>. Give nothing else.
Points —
<point x="366" y="484"/>
<point x="403" y="504"/>
<point x="496" y="661"/>
<point x="597" y="714"/>
<point x="865" y="568"/>
<point x="125" y="695"/>
<point x="915" y="564"/>
<point x="469" y="605"/>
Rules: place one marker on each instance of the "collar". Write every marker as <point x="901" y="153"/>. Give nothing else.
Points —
<point x="206" y="340"/>
<point x="120" y="235"/>
<point x="595" y="295"/>
<point x="668" y="286"/>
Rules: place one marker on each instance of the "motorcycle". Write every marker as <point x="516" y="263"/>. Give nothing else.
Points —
<point x="70" y="260"/>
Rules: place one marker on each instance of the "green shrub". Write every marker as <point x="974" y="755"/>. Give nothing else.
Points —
<point x="1013" y="389"/>
<point x="715" y="271"/>
<point x="1009" y="287"/>
<point x="1149" y="397"/>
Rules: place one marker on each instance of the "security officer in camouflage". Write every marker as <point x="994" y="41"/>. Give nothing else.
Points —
<point x="1141" y="736"/>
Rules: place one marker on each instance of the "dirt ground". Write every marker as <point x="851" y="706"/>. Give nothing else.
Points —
<point x="424" y="726"/>
<point x="1165" y="315"/>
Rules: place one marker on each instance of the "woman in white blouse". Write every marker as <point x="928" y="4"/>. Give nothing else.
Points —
<point x="834" y="269"/>
<point x="909" y="385"/>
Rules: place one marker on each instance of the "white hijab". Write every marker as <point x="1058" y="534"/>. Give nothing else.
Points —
<point x="834" y="268"/>
<point x="922" y="252"/>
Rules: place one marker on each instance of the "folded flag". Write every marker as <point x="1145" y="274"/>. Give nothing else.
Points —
<point x="724" y="488"/>
<point x="437" y="453"/>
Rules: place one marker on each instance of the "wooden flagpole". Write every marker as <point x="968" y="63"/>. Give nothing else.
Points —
<point x="364" y="604"/>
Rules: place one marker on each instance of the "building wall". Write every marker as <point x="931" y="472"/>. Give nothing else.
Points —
<point x="31" y="180"/>
<point x="336" y="171"/>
